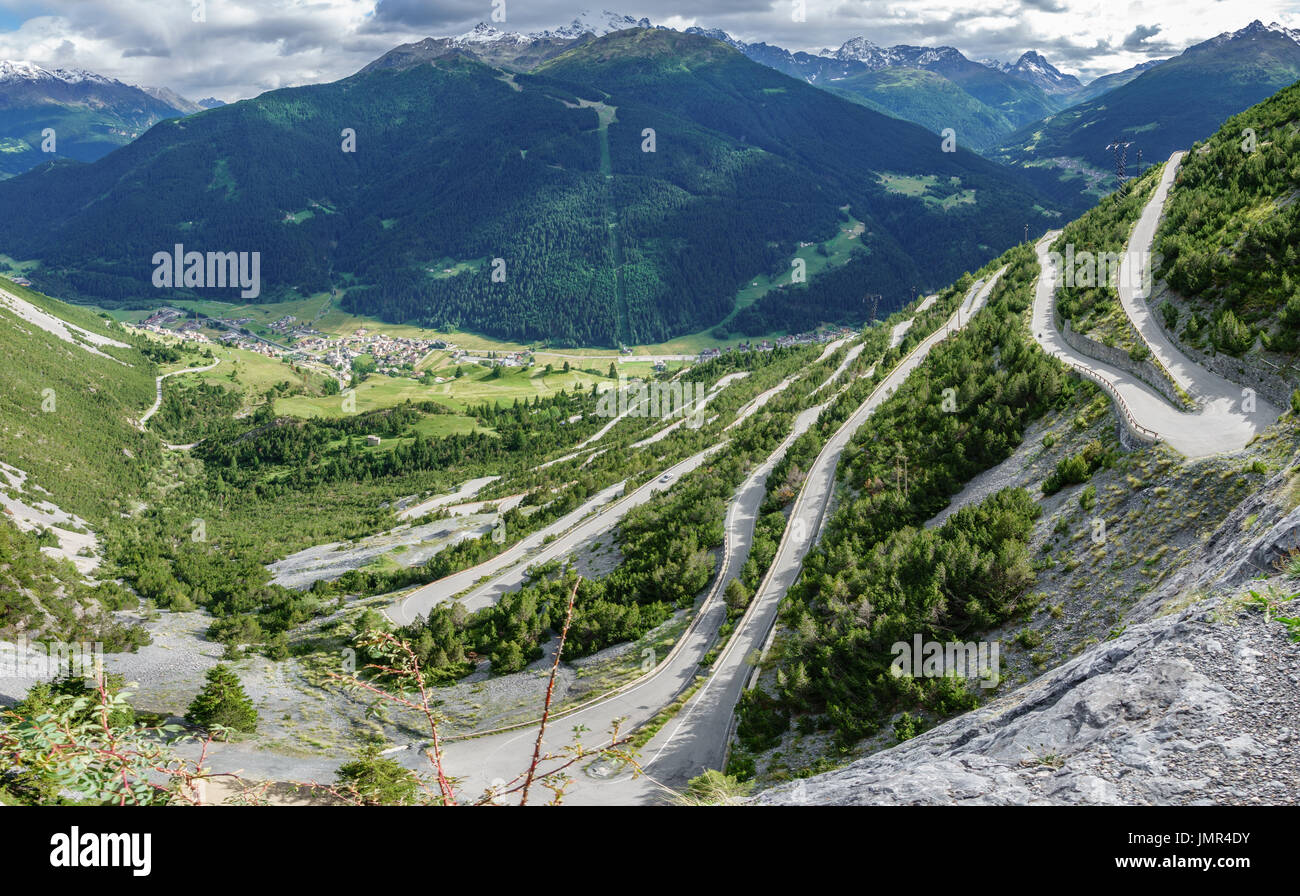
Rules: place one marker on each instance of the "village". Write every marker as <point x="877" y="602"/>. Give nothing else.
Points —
<point x="398" y="356"/>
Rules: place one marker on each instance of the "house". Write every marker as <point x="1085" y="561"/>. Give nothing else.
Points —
<point x="372" y="441"/>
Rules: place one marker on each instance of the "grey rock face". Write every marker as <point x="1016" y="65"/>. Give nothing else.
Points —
<point x="1196" y="706"/>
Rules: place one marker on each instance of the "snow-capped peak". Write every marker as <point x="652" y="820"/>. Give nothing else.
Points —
<point x="875" y="57"/>
<point x="1035" y="69"/>
<point x="585" y="22"/>
<point x="717" y="34"/>
<point x="600" y="24"/>
<point x="858" y="49"/>
<point x="483" y="33"/>
<point x="1293" y="33"/>
<point x="1032" y="60"/>
<point x="1254" y="28"/>
<point x="23" y="70"/>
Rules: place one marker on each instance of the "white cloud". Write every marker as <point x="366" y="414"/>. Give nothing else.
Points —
<point x="248" y="46"/>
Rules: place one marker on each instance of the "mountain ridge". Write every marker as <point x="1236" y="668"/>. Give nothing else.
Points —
<point x="73" y="114"/>
<point x="600" y="241"/>
<point x="1225" y="74"/>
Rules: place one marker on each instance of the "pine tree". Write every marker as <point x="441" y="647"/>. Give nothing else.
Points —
<point x="223" y="702"/>
<point x="377" y="780"/>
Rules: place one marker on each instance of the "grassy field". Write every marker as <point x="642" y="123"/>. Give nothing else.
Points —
<point x="838" y="250"/>
<point x="474" y="387"/>
<point x="252" y="372"/>
<point x="922" y="186"/>
<point x="322" y="313"/>
<point x="14" y="266"/>
<point x="65" y="413"/>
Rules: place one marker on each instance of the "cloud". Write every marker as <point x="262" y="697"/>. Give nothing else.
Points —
<point x="1139" y="35"/>
<point x="245" y="47"/>
<point x="240" y="48"/>
<point x="439" y="17"/>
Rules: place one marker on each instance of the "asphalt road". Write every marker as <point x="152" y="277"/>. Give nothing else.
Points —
<point x="460" y="496"/>
<point x="158" y="381"/>
<point x="1224" y="423"/>
<point x="484" y="761"/>
<point x="697" y="738"/>
<point x="849" y="357"/>
<point x="421" y="600"/>
<point x="506" y="571"/>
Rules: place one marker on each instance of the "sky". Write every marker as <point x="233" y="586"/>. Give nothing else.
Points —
<point x="232" y="49"/>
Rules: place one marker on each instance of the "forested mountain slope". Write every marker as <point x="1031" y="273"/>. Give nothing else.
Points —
<point x="1230" y="236"/>
<point x="928" y="99"/>
<point x="458" y="165"/>
<point x="70" y="459"/>
<point x="66" y="404"/>
<point x="1165" y="108"/>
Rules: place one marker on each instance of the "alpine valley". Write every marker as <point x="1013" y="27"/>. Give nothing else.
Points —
<point x="618" y="414"/>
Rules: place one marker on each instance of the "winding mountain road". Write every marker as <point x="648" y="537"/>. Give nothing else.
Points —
<point x="1228" y="417"/>
<point x="157" y="402"/>
<point x="420" y="601"/>
<point x="697" y="738"/>
<point x="483" y="761"/>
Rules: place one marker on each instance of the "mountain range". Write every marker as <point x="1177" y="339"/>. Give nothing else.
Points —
<point x="545" y="215"/>
<point x="511" y="49"/>
<point x="1032" y="68"/>
<point x="986" y="102"/>
<point x="992" y="98"/>
<point x="530" y="205"/>
<point x="1002" y="99"/>
<point x="90" y="115"/>
<point x="1166" y="107"/>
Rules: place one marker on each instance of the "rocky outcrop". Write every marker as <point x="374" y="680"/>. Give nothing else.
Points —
<point x="1198" y="702"/>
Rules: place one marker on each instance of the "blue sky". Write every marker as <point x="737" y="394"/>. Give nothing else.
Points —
<point x="240" y="48"/>
<point x="11" y="19"/>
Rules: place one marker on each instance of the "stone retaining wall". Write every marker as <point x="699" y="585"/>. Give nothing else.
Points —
<point x="1146" y="371"/>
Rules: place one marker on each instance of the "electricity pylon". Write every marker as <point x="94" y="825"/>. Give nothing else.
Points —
<point x="1121" y="159"/>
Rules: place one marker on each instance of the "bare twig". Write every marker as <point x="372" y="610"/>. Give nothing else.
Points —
<point x="550" y="691"/>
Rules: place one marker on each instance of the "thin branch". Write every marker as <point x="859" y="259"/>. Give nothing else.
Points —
<point x="550" y="691"/>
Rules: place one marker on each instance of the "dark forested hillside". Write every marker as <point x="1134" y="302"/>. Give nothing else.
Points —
<point x="930" y="100"/>
<point x="877" y="570"/>
<point x="462" y="172"/>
